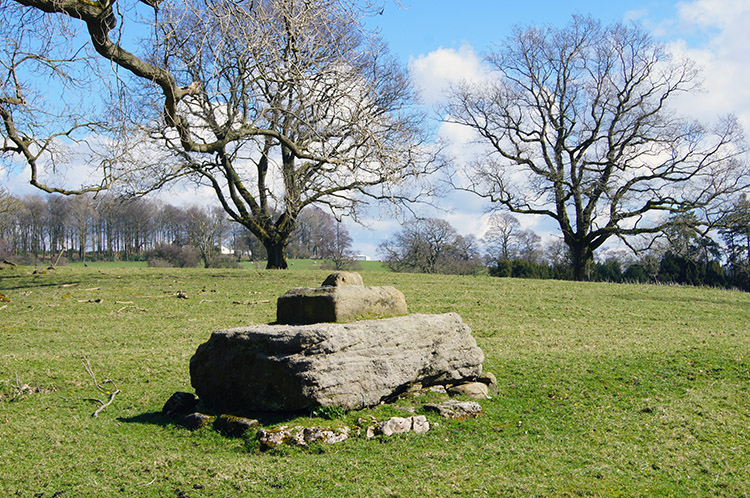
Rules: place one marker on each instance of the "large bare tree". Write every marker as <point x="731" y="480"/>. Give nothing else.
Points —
<point x="275" y="104"/>
<point x="581" y="129"/>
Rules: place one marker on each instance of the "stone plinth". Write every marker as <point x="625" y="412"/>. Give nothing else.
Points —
<point x="339" y="304"/>
<point x="353" y="365"/>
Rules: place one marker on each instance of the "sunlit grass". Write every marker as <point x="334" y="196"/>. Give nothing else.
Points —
<point x="604" y="390"/>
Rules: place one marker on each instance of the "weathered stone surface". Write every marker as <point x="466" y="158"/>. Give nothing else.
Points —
<point x="341" y="278"/>
<point x="454" y="409"/>
<point x="290" y="368"/>
<point x="419" y="424"/>
<point x="339" y="304"/>
<point x="300" y="436"/>
<point x="180" y="404"/>
<point x="234" y="426"/>
<point x="195" y="421"/>
<point x="476" y="390"/>
<point x="395" y="425"/>
<point x="489" y="379"/>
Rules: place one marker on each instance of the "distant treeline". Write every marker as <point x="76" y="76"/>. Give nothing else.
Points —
<point x="87" y="228"/>
<point x="680" y="256"/>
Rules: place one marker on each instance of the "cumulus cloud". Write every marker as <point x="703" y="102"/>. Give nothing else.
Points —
<point x="714" y="34"/>
<point x="434" y="73"/>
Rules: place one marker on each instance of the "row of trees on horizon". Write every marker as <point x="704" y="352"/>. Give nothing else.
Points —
<point x="34" y="228"/>
<point x="679" y="255"/>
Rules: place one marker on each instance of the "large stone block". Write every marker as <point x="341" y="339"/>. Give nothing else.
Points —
<point x="354" y="365"/>
<point x="339" y="304"/>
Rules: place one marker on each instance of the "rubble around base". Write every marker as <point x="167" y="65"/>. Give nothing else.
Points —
<point x="455" y="409"/>
<point x="300" y="436"/>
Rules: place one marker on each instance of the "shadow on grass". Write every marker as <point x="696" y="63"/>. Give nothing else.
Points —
<point x="37" y="283"/>
<point x="162" y="420"/>
<point x="150" y="418"/>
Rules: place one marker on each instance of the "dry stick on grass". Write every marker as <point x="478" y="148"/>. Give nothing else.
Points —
<point x="100" y="388"/>
<point x="263" y="301"/>
<point x="52" y="267"/>
<point x="131" y="307"/>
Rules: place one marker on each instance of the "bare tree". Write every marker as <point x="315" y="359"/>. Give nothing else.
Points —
<point x="205" y="231"/>
<point x="499" y="237"/>
<point x="580" y="129"/>
<point x="338" y="249"/>
<point x="430" y="245"/>
<point x="275" y="104"/>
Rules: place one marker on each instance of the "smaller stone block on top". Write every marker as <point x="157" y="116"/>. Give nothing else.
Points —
<point x="341" y="298"/>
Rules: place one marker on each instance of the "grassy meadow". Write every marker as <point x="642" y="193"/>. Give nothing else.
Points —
<point x="604" y="390"/>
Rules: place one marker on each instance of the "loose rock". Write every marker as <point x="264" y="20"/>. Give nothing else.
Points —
<point x="489" y="379"/>
<point x="180" y="403"/>
<point x="300" y="436"/>
<point x="475" y="390"/>
<point x="419" y="424"/>
<point x="194" y="421"/>
<point x="233" y="426"/>
<point x="395" y="425"/>
<point x="457" y="410"/>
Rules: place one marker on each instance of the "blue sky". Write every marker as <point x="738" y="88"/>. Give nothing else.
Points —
<point x="417" y="27"/>
<point x="443" y="41"/>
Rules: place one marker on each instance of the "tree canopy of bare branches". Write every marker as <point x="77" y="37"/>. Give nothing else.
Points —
<point x="580" y="129"/>
<point x="274" y="104"/>
<point x="431" y="245"/>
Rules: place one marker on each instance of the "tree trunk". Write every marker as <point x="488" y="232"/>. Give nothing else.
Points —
<point x="581" y="259"/>
<point x="276" y="255"/>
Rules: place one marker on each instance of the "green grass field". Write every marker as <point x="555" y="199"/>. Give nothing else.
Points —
<point x="604" y="390"/>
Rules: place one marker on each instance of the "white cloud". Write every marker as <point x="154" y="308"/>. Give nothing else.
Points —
<point x="715" y="34"/>
<point x="713" y="13"/>
<point x="434" y="73"/>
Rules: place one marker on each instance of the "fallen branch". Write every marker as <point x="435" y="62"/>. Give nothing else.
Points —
<point x="58" y="258"/>
<point x="263" y="301"/>
<point x="131" y="307"/>
<point x="100" y="388"/>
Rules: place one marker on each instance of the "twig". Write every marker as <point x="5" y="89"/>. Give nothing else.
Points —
<point x="148" y="483"/>
<point x="58" y="258"/>
<point x="129" y="307"/>
<point x="3" y="307"/>
<point x="263" y="301"/>
<point x="100" y="388"/>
